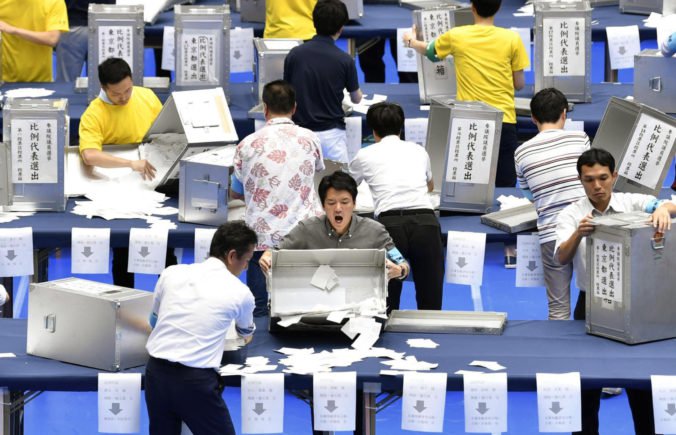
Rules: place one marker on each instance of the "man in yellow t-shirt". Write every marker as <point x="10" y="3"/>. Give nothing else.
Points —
<point x="489" y="64"/>
<point x="289" y="19"/>
<point x="30" y="29"/>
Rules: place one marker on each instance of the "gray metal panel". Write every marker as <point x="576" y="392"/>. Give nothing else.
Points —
<point x="252" y="11"/>
<point x="269" y="61"/>
<point x="513" y="220"/>
<point x="655" y="81"/>
<point x="355" y="8"/>
<point x="439" y="123"/>
<point x="596" y="3"/>
<point x="5" y="171"/>
<point x="446" y="322"/>
<point x="643" y="7"/>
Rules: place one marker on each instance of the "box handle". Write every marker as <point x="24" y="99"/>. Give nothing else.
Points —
<point x="655" y="84"/>
<point x="50" y="323"/>
<point x="657" y="241"/>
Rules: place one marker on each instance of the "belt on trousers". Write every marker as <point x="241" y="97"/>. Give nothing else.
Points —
<point x="405" y="212"/>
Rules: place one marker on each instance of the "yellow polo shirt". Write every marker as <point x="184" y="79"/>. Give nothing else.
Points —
<point x="22" y="60"/>
<point x="485" y="58"/>
<point x="104" y="123"/>
<point x="289" y="19"/>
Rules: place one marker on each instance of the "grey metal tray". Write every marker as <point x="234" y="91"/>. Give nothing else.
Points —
<point x="512" y="220"/>
<point x="449" y="322"/>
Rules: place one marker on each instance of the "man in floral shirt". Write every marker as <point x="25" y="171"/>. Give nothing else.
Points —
<point x="274" y="175"/>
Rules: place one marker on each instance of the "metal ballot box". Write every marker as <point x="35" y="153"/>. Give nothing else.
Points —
<point x="643" y="142"/>
<point x="361" y="285"/>
<point x="88" y="323"/>
<point x="563" y="48"/>
<point x="355" y="9"/>
<point x="252" y="11"/>
<point x="32" y="161"/>
<point x="114" y="31"/>
<point x="597" y="3"/>
<point x="632" y="269"/>
<point x="654" y="80"/>
<point x="202" y="37"/>
<point x="437" y="79"/>
<point x="203" y="187"/>
<point x="424" y="4"/>
<point x="643" y="7"/>
<point x="463" y="139"/>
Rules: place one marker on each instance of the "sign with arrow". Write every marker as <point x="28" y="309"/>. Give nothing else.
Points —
<point x="423" y="402"/>
<point x="559" y="406"/>
<point x="664" y="403"/>
<point x="263" y="403"/>
<point x="406" y="57"/>
<point x="119" y="402"/>
<point x="529" y="270"/>
<point x="334" y="400"/>
<point x="16" y="251"/>
<point x="485" y="402"/>
<point x="147" y="250"/>
<point x="241" y="50"/>
<point x="623" y="43"/>
<point x="415" y="130"/>
<point x="90" y="250"/>
<point x="465" y="257"/>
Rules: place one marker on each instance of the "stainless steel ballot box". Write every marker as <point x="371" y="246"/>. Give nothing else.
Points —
<point x="202" y="41"/>
<point x="655" y="81"/>
<point x="643" y="142"/>
<point x="463" y="139"/>
<point x="437" y="79"/>
<point x="643" y="7"/>
<point x="88" y="323"/>
<point x="563" y="48"/>
<point x="32" y="158"/>
<point x="630" y="290"/>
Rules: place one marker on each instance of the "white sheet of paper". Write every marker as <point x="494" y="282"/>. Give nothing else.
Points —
<point x="337" y="316"/>
<point x="168" y="47"/>
<point x="415" y="130"/>
<point x="424" y="343"/>
<point x="90" y="250"/>
<point x="665" y="27"/>
<point x="524" y="33"/>
<point x="119" y="402"/>
<point x="117" y="41"/>
<point x="203" y="237"/>
<point x="287" y="321"/>
<point x="406" y="57"/>
<point x="664" y="403"/>
<point x="16" y="251"/>
<point x="485" y="402"/>
<point x="263" y="403"/>
<point x="88" y="287"/>
<point x="571" y="125"/>
<point x="423" y="402"/>
<point x="623" y="44"/>
<point x="368" y="337"/>
<point x="7" y="355"/>
<point x="490" y="365"/>
<point x="241" y="50"/>
<point x="559" y="405"/>
<point x="324" y="278"/>
<point x="354" y="137"/>
<point x="147" y="250"/>
<point x="529" y="269"/>
<point x="334" y="400"/>
<point x="465" y="257"/>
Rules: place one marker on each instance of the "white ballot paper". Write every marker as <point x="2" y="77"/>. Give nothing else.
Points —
<point x="241" y="50"/>
<point x="559" y="406"/>
<point x="422" y="343"/>
<point x="406" y="57"/>
<point x="423" y="402"/>
<point x="415" y="130"/>
<point x="490" y="365"/>
<point x="571" y="125"/>
<point x="119" y="400"/>
<point x="524" y="33"/>
<point x="529" y="271"/>
<point x="168" y="53"/>
<point x="485" y="402"/>
<point x="324" y="278"/>
<point x="664" y="403"/>
<point x="623" y="44"/>
<point x="16" y="251"/>
<point x="263" y="403"/>
<point x="90" y="250"/>
<point x="465" y="257"/>
<point x="203" y="237"/>
<point x="147" y="250"/>
<point x="353" y="133"/>
<point x="334" y="400"/>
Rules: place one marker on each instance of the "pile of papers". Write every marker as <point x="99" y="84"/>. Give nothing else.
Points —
<point x="28" y="93"/>
<point x="252" y="365"/>
<point x="510" y="201"/>
<point x="12" y="216"/>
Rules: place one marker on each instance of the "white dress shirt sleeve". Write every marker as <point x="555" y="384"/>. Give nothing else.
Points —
<point x="244" y="323"/>
<point x="566" y="224"/>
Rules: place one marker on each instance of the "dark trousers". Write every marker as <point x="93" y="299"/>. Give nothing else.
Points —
<point x="640" y="401"/>
<point x="418" y="238"/>
<point x="373" y="66"/>
<point x="255" y="279"/>
<point x="121" y="261"/>
<point x="176" y="393"/>
<point x="506" y="172"/>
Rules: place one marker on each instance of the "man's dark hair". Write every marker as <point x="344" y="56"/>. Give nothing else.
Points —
<point x="279" y="97"/>
<point x="113" y="70"/>
<point x="596" y="156"/>
<point x="329" y="16"/>
<point x="385" y="118"/>
<point x="548" y="105"/>
<point x="486" y="8"/>
<point x="232" y="235"/>
<point x="339" y="180"/>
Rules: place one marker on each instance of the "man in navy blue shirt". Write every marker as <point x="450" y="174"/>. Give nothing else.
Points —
<point x="319" y="71"/>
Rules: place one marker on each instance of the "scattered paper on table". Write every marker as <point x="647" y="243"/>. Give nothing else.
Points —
<point x="422" y="343"/>
<point x="490" y="365"/>
<point x="287" y="321"/>
<point x="337" y="316"/>
<point x="28" y="93"/>
<point x="7" y="355"/>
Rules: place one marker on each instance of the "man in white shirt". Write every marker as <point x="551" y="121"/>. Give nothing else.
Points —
<point x="193" y="308"/>
<point x="400" y="176"/>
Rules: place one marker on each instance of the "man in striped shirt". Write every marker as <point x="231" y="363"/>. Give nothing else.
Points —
<point x="547" y="173"/>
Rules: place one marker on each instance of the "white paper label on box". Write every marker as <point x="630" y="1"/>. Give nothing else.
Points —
<point x="241" y="50"/>
<point x="559" y="405"/>
<point x="470" y="151"/>
<point x="34" y="151"/>
<point x="116" y="41"/>
<point x="664" y="403"/>
<point x="465" y="257"/>
<point x="16" y="251"/>
<point x="648" y="151"/>
<point x="147" y="250"/>
<point x="529" y="270"/>
<point x="203" y="237"/>
<point x="263" y="403"/>
<point x="168" y="49"/>
<point x="334" y="400"/>
<point x="90" y="250"/>
<point x="199" y="49"/>
<point x="406" y="57"/>
<point x="353" y="133"/>
<point x="564" y="47"/>
<point x="424" y="402"/>
<point x="571" y="125"/>
<point x="415" y="130"/>
<point x="119" y="402"/>
<point x="485" y="402"/>
<point x="434" y="23"/>
<point x="524" y="34"/>
<point x="606" y="270"/>
<point x="623" y="44"/>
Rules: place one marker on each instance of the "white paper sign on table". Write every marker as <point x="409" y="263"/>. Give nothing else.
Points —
<point x="241" y="50"/>
<point x="664" y="403"/>
<point x="424" y="402"/>
<point x="119" y="402"/>
<point x="334" y="400"/>
<point x="203" y="237"/>
<point x="116" y="41"/>
<point x="559" y="405"/>
<point x="415" y="130"/>
<point x="263" y="403"/>
<point x="168" y="53"/>
<point x="406" y="57"/>
<point x="16" y="251"/>
<point x="147" y="250"/>
<point x="485" y="402"/>
<point x="529" y="271"/>
<point x="90" y="250"/>
<point x="524" y="33"/>
<point x="571" y="125"/>
<point x="623" y="44"/>
<point x="353" y="133"/>
<point x="465" y="257"/>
